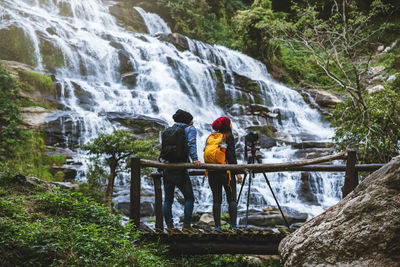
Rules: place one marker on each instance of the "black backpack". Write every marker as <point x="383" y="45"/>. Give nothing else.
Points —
<point x="174" y="146"/>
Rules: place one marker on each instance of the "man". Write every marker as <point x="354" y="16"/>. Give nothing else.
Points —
<point x="178" y="143"/>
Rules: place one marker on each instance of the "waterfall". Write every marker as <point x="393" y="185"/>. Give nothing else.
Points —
<point x="155" y="24"/>
<point x="108" y="73"/>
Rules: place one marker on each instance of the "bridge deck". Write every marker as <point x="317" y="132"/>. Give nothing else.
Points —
<point x="250" y="241"/>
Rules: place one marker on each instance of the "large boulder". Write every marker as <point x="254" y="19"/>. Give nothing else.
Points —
<point x="128" y="17"/>
<point x="35" y="117"/>
<point x="361" y="230"/>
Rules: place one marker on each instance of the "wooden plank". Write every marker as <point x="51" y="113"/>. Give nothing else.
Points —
<point x="158" y="201"/>
<point x="315" y="168"/>
<point x="241" y="167"/>
<point x="135" y="192"/>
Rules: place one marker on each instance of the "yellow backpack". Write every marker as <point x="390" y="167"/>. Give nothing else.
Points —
<point x="214" y="152"/>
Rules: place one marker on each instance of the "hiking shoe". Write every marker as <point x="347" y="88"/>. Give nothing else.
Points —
<point x="186" y="228"/>
<point x="216" y="229"/>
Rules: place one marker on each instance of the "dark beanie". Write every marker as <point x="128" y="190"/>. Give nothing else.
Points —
<point x="221" y="124"/>
<point x="182" y="116"/>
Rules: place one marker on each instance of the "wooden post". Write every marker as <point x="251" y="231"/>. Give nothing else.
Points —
<point x="351" y="178"/>
<point x="135" y="192"/>
<point x="158" y="201"/>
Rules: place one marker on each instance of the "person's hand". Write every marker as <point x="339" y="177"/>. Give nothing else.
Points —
<point x="197" y="163"/>
<point x="239" y="178"/>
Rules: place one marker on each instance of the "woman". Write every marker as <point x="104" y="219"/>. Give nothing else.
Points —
<point x="219" y="179"/>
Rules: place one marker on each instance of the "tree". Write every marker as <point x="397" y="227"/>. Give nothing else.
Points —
<point x="342" y="46"/>
<point x="114" y="151"/>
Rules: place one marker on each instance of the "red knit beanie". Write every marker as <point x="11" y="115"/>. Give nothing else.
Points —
<point x="222" y="124"/>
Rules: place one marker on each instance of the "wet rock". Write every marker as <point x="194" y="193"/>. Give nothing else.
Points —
<point x="324" y="98"/>
<point x="39" y="87"/>
<point x="261" y="110"/>
<point x="129" y="79"/>
<point x="69" y="172"/>
<point x="138" y="123"/>
<point x="127" y="16"/>
<point x="16" y="46"/>
<point x="52" y="55"/>
<point x="311" y="144"/>
<point x="311" y="153"/>
<point x="267" y="142"/>
<point x="307" y="189"/>
<point x="35" y="117"/>
<point x="361" y="230"/>
<point x="271" y="217"/>
<point x="125" y="63"/>
<point x="146" y="208"/>
<point x="66" y="152"/>
<point x="63" y="130"/>
<point x="85" y="98"/>
<point x="176" y="39"/>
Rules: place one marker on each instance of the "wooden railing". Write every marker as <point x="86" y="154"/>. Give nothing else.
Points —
<point x="351" y="170"/>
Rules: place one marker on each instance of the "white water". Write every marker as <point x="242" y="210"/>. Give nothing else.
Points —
<point x="167" y="79"/>
<point x="155" y="24"/>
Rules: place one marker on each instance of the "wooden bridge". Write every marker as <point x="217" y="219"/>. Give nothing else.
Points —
<point x="248" y="241"/>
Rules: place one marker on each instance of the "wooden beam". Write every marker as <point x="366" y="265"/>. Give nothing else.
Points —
<point x="271" y="167"/>
<point x="158" y="201"/>
<point x="135" y="192"/>
<point x="351" y="178"/>
<point x="315" y="168"/>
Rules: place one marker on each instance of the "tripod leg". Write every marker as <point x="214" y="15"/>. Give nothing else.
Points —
<point x="241" y="188"/>
<point x="284" y="218"/>
<point x="248" y="198"/>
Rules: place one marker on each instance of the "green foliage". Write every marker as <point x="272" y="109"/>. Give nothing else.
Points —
<point x="10" y="133"/>
<point x="207" y="21"/>
<point x="66" y="229"/>
<point x="382" y="141"/>
<point x="115" y="148"/>
<point x="114" y="151"/>
<point x="29" y="158"/>
<point x="38" y="81"/>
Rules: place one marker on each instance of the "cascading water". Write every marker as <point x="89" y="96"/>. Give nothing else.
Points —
<point x="108" y="72"/>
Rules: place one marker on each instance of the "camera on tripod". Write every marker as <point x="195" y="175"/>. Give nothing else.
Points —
<point x="250" y="139"/>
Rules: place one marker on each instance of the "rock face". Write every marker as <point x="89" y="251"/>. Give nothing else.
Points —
<point x="361" y="230"/>
<point x="128" y="17"/>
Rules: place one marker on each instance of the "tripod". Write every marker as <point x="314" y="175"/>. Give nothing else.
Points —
<point x="251" y="160"/>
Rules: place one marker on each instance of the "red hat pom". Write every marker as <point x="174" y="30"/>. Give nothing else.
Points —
<point x="221" y="124"/>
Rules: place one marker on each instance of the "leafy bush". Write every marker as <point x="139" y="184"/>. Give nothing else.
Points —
<point x="381" y="141"/>
<point x="10" y="132"/>
<point x="67" y="229"/>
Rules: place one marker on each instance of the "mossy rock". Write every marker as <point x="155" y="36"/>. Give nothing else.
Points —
<point x="38" y="88"/>
<point x="53" y="56"/>
<point x="37" y="81"/>
<point x="16" y="46"/>
<point x="267" y="130"/>
<point x="128" y="17"/>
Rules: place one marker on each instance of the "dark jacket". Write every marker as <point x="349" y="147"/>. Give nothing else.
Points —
<point x="230" y="153"/>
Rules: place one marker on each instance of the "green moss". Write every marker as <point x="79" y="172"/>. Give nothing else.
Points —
<point x="52" y="56"/>
<point x="15" y="45"/>
<point x="37" y="81"/>
<point x="28" y="103"/>
<point x="267" y="130"/>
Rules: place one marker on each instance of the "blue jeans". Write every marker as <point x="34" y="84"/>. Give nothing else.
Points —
<point x="181" y="180"/>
